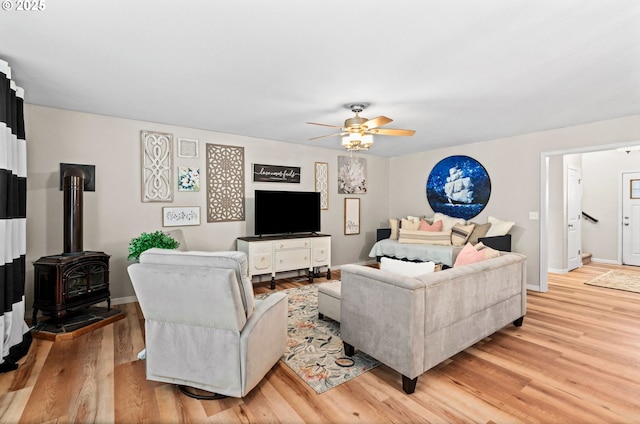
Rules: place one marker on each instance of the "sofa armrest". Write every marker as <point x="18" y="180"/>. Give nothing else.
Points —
<point x="502" y="243"/>
<point x="383" y="233"/>
<point x="382" y="314"/>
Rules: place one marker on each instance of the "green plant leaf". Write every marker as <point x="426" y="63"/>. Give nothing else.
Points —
<point x="147" y="241"/>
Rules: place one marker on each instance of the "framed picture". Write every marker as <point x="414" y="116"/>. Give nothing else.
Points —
<point x="458" y="186"/>
<point x="188" y="179"/>
<point x="351" y="216"/>
<point x="322" y="183"/>
<point x="352" y="175"/>
<point x="187" y="148"/>
<point x="635" y="189"/>
<point x="181" y="216"/>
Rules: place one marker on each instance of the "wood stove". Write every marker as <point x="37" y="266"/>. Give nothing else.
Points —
<point x="75" y="278"/>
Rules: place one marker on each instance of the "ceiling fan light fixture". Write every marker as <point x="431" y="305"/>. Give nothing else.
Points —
<point x="357" y="141"/>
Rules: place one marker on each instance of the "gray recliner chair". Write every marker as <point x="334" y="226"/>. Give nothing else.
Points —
<point x="203" y="327"/>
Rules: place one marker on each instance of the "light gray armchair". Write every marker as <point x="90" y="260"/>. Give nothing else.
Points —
<point x="203" y="327"/>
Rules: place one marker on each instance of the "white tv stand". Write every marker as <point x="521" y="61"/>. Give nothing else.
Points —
<point x="271" y="254"/>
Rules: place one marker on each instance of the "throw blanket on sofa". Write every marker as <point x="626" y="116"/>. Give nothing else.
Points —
<point x="416" y="252"/>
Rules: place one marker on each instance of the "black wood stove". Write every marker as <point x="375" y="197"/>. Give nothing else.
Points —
<point x="75" y="278"/>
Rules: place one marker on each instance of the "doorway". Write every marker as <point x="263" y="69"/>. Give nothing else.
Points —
<point x="607" y="211"/>
<point x="574" y="215"/>
<point x="631" y="218"/>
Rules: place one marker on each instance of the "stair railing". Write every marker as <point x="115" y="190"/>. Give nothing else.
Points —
<point x="589" y="217"/>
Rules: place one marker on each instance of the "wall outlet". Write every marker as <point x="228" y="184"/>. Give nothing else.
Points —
<point x="534" y="215"/>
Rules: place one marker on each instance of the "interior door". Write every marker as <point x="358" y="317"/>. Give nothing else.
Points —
<point x="574" y="215"/>
<point x="631" y="218"/>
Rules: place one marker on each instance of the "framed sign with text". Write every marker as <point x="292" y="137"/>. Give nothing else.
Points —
<point x="179" y="216"/>
<point x="276" y="173"/>
<point x="351" y="216"/>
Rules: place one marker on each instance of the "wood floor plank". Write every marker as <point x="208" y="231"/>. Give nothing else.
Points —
<point x="575" y="359"/>
<point x="12" y="404"/>
<point x="129" y="340"/>
<point x="59" y="378"/>
<point x="134" y="396"/>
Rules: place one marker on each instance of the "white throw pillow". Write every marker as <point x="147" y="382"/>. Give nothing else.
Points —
<point x="394" y="224"/>
<point x="413" y="218"/>
<point x="447" y="221"/>
<point x="408" y="269"/>
<point x="498" y="227"/>
<point x="424" y="237"/>
<point x="409" y="224"/>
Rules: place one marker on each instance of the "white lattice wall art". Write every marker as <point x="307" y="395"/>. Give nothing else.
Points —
<point x="225" y="183"/>
<point x="157" y="156"/>
<point x="322" y="183"/>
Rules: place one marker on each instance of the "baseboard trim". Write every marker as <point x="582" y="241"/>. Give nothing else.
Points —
<point x="121" y="300"/>
<point x="605" y="261"/>
<point x="558" y="271"/>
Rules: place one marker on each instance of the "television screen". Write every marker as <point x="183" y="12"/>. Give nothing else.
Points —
<point x="286" y="212"/>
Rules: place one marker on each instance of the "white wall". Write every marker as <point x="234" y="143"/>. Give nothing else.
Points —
<point x="556" y="213"/>
<point x="114" y="213"/>
<point x="513" y="164"/>
<point x="601" y="190"/>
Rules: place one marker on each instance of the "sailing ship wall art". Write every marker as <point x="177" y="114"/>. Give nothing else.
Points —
<point x="458" y="186"/>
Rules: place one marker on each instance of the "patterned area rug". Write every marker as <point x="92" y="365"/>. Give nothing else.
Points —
<point x="619" y="280"/>
<point x="314" y="348"/>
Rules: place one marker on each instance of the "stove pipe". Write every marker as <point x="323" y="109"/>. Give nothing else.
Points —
<point x="73" y="186"/>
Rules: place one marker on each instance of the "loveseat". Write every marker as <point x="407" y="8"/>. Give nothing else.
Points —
<point x="412" y="324"/>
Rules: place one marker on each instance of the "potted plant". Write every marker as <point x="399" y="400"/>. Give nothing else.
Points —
<point x="148" y="240"/>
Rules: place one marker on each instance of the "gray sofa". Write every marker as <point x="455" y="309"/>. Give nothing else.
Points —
<point x="413" y="324"/>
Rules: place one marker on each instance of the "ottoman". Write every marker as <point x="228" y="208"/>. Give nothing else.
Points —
<point x="329" y="300"/>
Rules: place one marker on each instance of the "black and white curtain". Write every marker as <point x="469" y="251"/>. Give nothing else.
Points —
<point x="14" y="332"/>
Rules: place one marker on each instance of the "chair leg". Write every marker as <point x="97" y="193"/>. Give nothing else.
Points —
<point x="409" y="384"/>
<point x="518" y="322"/>
<point x="213" y="396"/>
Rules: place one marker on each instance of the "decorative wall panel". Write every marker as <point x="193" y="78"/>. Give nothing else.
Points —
<point x="225" y="183"/>
<point x="157" y="155"/>
<point x="322" y="183"/>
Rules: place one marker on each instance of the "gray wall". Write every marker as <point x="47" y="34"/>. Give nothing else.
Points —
<point x="114" y="213"/>
<point x="513" y="164"/>
<point x="556" y="214"/>
<point x="601" y="177"/>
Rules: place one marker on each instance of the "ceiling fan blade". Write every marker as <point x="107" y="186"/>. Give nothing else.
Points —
<point x="324" y="125"/>
<point x="376" y="122"/>
<point x="328" y="135"/>
<point x="391" y="131"/>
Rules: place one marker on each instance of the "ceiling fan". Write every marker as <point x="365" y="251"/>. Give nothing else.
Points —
<point x="357" y="132"/>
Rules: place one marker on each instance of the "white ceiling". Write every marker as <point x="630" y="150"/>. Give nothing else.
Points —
<point x="456" y="71"/>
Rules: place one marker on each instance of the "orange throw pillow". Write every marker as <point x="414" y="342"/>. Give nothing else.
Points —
<point x="425" y="226"/>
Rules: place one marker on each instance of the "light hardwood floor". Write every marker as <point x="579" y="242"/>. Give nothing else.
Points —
<point x="576" y="359"/>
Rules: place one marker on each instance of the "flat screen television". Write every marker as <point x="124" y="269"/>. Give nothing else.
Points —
<point x="286" y="212"/>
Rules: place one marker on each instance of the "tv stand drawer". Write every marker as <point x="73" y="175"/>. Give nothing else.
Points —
<point x="299" y="243"/>
<point x="287" y="260"/>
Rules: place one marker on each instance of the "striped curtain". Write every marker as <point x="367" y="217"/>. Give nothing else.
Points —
<point x="15" y="335"/>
